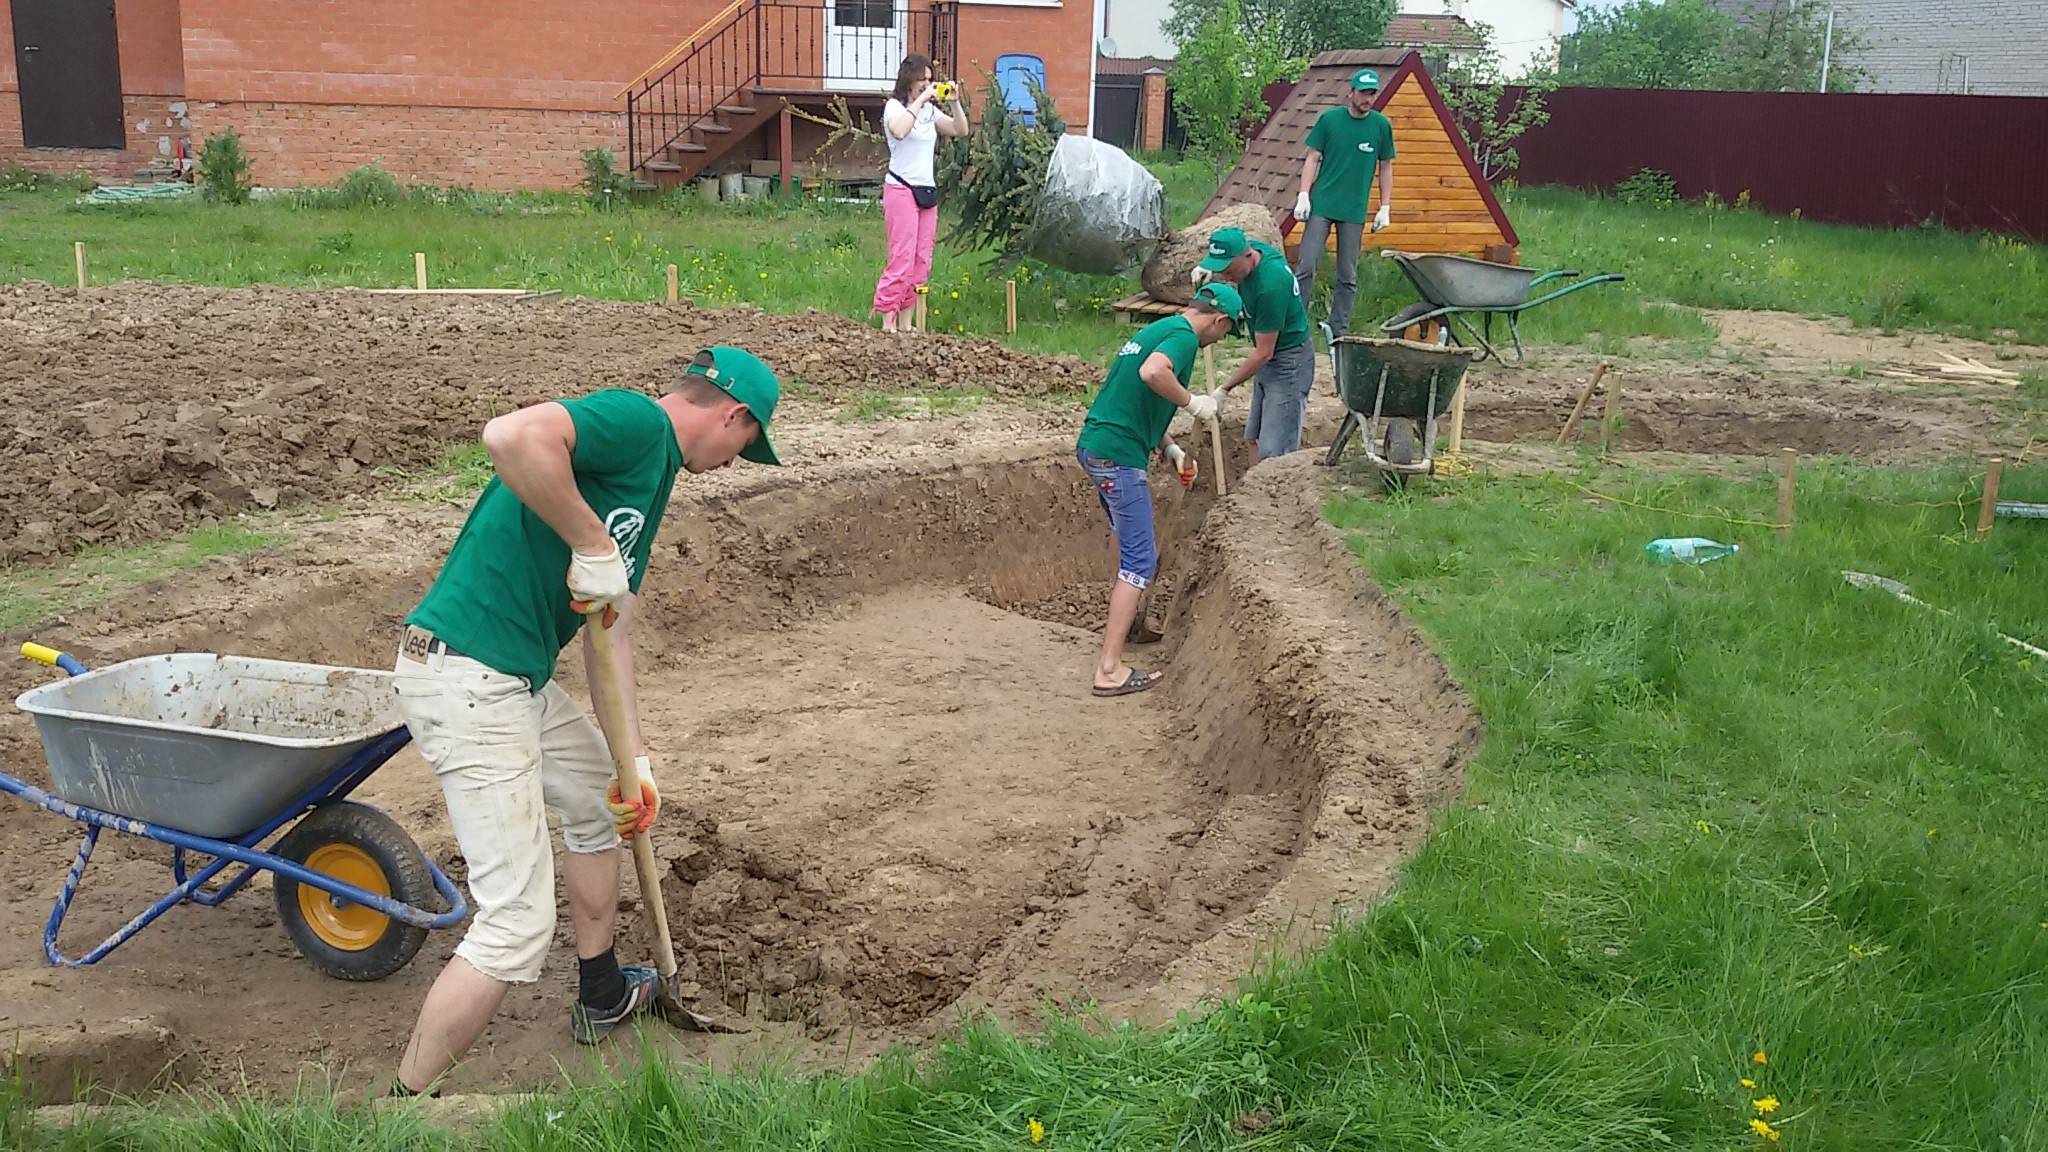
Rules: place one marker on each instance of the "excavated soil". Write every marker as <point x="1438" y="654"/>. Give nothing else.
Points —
<point x="891" y="800"/>
<point x="140" y="409"/>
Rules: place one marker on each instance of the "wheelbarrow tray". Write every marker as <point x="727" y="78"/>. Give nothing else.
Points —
<point x="1410" y="369"/>
<point x="1464" y="282"/>
<point x="205" y="744"/>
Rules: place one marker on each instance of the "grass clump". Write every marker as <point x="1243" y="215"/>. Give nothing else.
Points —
<point x="30" y="593"/>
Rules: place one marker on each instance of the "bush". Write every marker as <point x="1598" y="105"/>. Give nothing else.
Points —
<point x="367" y="187"/>
<point x="15" y="178"/>
<point x="1648" y="186"/>
<point x="224" y="169"/>
<point x="602" y="181"/>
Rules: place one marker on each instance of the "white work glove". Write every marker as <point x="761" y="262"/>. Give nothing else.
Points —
<point x="598" y="583"/>
<point x="1301" y="207"/>
<point x="1200" y="275"/>
<point x="1202" y="406"/>
<point x="637" y="817"/>
<point x="1379" y="218"/>
<point x="1182" y="464"/>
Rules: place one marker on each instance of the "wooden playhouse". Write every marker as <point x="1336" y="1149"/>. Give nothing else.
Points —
<point x="1441" y="202"/>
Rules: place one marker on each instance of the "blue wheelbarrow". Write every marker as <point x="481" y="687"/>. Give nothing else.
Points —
<point x="1456" y="288"/>
<point x="214" y="755"/>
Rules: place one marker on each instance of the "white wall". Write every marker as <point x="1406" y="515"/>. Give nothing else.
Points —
<point x="1913" y="46"/>
<point x="1524" y="31"/>
<point x="1134" y="25"/>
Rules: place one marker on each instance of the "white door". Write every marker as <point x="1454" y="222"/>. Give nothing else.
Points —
<point x="863" y="44"/>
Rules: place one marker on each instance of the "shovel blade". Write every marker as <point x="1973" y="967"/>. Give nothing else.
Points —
<point x="671" y="1011"/>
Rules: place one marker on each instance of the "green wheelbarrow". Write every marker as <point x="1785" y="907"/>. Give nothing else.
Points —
<point x="1455" y="288"/>
<point x="1397" y="389"/>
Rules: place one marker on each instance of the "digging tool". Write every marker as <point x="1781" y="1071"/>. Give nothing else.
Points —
<point x="613" y="704"/>
<point x="1885" y="584"/>
<point x="1216" y="451"/>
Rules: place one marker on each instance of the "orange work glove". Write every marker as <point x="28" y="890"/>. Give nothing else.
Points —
<point x="1183" y="464"/>
<point x="638" y="816"/>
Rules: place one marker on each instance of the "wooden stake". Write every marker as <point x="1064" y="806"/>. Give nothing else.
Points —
<point x="419" y="271"/>
<point x="922" y="297"/>
<point x="1010" y="300"/>
<point x="1209" y="367"/>
<point x="671" y="283"/>
<point x="1607" y="413"/>
<point x="1571" y="422"/>
<point x="1987" y="509"/>
<point x="1216" y="454"/>
<point x="1788" y="469"/>
<point x="78" y="254"/>
<point x="1458" y="419"/>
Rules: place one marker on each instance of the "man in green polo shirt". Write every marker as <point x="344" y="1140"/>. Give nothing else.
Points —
<point x="1148" y="382"/>
<point x="564" y="531"/>
<point x="1282" y="361"/>
<point x="1346" y="147"/>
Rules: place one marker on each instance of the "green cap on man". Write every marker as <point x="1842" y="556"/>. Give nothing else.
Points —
<point x="1365" y="80"/>
<point x="742" y="376"/>
<point x="1224" y="299"/>
<point x="1225" y="245"/>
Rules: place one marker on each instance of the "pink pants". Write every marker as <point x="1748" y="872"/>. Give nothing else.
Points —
<point x="911" y="233"/>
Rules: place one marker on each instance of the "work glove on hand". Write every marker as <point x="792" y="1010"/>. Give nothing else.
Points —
<point x="1301" y="207"/>
<point x="1202" y="406"/>
<point x="1182" y="464"/>
<point x="598" y="583"/>
<point x="1200" y="275"/>
<point x="638" y="816"/>
<point x="1379" y="218"/>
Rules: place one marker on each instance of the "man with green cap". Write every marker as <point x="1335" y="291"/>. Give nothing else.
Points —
<point x="1148" y="382"/>
<point x="1346" y="147"/>
<point x="1282" y="361"/>
<point x="563" y="532"/>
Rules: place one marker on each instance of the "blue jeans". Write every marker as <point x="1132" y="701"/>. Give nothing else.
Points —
<point x="1127" y="497"/>
<point x="1280" y="400"/>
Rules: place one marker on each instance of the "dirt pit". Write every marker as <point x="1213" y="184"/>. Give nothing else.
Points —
<point x="890" y="799"/>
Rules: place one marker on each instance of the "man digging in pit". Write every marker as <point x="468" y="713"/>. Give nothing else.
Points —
<point x="564" y="531"/>
<point x="1147" y="383"/>
<point x="1282" y="361"/>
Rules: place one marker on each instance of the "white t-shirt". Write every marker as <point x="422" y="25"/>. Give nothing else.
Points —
<point x="911" y="157"/>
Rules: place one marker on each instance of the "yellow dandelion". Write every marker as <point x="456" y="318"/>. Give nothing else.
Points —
<point x="764" y="275"/>
<point x="1758" y="1057"/>
<point x="1705" y="828"/>
<point x="1036" y="1129"/>
<point x="1765" y="1106"/>
<point x="956" y="295"/>
<point x="1748" y="1083"/>
<point x="1933" y="832"/>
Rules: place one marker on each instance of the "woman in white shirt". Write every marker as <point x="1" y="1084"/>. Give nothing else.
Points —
<point x="913" y="122"/>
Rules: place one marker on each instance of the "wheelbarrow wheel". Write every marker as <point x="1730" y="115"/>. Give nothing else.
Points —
<point x="358" y="844"/>
<point x="1398" y="448"/>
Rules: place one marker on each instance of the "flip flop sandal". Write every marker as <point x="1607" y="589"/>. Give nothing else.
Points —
<point x="1135" y="682"/>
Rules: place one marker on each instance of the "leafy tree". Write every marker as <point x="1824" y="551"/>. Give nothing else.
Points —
<point x="1218" y="80"/>
<point x="224" y="169"/>
<point x="1778" y="47"/>
<point x="1301" y="27"/>
<point x="1474" y="87"/>
<point x="1647" y="44"/>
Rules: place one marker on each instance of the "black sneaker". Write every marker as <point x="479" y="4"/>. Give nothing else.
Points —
<point x="590" y="1025"/>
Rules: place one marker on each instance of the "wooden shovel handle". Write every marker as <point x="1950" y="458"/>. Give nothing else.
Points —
<point x="612" y="702"/>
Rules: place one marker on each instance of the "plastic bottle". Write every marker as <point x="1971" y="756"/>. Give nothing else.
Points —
<point x="1688" y="550"/>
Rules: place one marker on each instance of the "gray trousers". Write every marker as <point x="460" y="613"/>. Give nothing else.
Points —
<point x="1315" y="236"/>
<point x="1280" y="400"/>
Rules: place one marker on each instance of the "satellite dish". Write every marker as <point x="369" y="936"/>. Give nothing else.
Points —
<point x="1106" y="48"/>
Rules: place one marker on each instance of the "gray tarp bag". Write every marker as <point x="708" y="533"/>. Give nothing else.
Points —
<point x="1102" y="213"/>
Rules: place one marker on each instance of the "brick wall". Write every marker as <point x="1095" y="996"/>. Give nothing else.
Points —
<point x="155" y="124"/>
<point x="293" y="144"/>
<point x="1059" y="36"/>
<point x="1914" y="46"/>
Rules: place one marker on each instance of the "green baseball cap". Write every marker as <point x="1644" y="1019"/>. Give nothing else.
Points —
<point x="1225" y="245"/>
<point x="741" y="375"/>
<point x="1365" y="80"/>
<point x="1224" y="299"/>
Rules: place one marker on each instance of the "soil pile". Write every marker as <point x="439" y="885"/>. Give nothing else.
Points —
<point x="1166" y="274"/>
<point x="141" y="409"/>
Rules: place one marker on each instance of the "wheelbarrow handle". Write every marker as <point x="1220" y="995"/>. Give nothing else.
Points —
<point x="44" y="654"/>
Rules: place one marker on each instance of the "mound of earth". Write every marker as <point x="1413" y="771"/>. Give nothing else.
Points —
<point x="141" y="409"/>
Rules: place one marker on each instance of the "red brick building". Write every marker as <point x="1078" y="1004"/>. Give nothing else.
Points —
<point x="479" y="93"/>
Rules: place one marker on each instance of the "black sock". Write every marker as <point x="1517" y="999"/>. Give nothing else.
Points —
<point x="399" y="1090"/>
<point x="602" y="984"/>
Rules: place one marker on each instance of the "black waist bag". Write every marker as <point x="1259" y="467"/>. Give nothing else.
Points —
<point x="924" y="195"/>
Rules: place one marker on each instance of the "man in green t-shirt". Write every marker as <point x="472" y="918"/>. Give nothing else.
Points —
<point x="1148" y="382"/>
<point x="563" y="532"/>
<point x="1282" y="361"/>
<point x="1347" y="146"/>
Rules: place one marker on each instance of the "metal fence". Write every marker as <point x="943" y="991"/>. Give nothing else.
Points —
<point x="1888" y="161"/>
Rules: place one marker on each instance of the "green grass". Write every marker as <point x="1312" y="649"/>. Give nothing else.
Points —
<point x="460" y="473"/>
<point x="1718" y="811"/>
<point x="31" y="593"/>
<point x="1980" y="285"/>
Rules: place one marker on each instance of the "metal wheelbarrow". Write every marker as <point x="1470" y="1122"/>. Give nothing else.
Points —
<point x="214" y="755"/>
<point x="1454" y="287"/>
<point x="1398" y="389"/>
